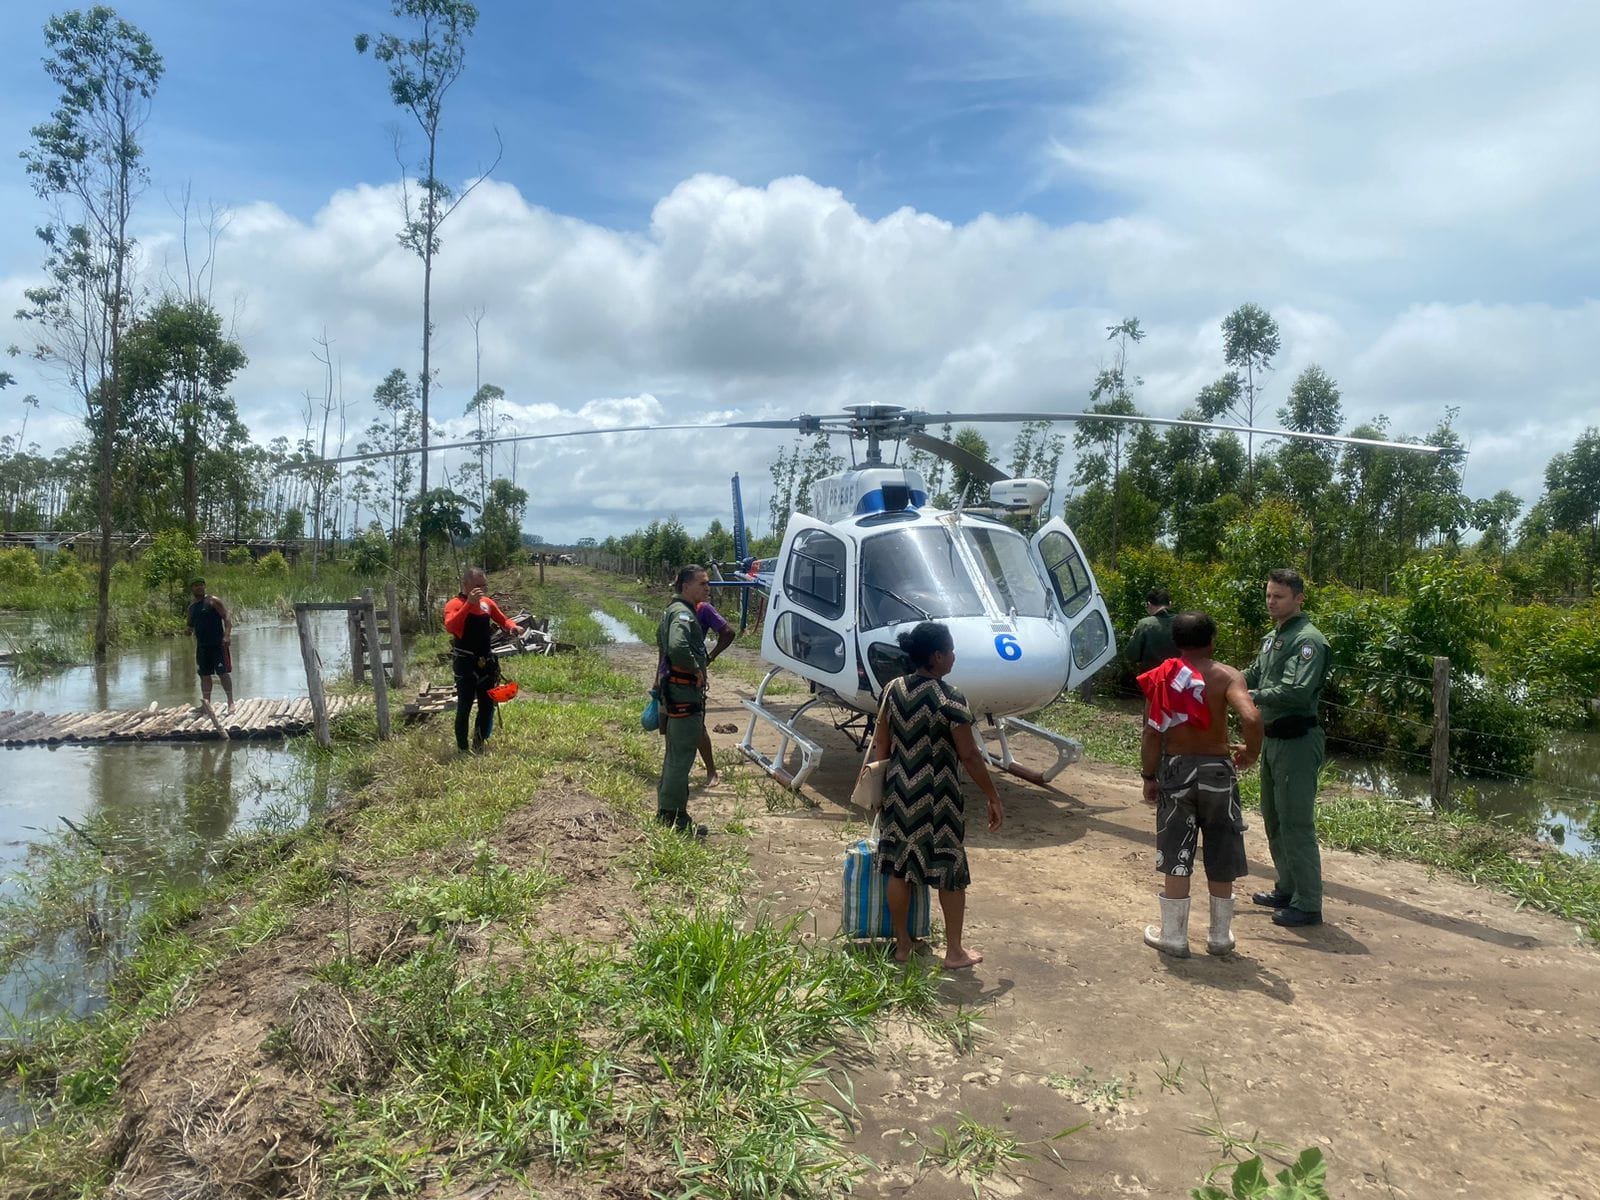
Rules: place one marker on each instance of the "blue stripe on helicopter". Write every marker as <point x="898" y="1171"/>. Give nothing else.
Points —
<point x="872" y="502"/>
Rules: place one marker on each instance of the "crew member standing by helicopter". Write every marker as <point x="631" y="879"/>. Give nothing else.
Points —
<point x="1151" y="643"/>
<point x="682" y="647"/>
<point x="1286" y="683"/>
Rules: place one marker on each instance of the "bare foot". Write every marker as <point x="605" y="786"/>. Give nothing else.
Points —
<point x="903" y="953"/>
<point x="711" y="778"/>
<point x="967" y="958"/>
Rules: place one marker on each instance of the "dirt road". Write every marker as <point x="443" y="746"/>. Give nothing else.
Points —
<point x="1429" y="1038"/>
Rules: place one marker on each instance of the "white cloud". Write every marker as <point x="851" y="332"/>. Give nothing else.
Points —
<point x="1410" y="191"/>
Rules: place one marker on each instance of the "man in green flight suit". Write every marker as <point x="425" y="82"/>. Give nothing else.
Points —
<point x="682" y="679"/>
<point x="1286" y="681"/>
<point x="1151" y="643"/>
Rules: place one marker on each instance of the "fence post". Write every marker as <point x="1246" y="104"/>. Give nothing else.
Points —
<point x="1441" y="734"/>
<point x="313" y="665"/>
<point x="397" y="644"/>
<point x="380" y="682"/>
<point x="358" y="649"/>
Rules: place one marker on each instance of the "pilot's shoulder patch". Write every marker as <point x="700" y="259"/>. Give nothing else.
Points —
<point x="1308" y="651"/>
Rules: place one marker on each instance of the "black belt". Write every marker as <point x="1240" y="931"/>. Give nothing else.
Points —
<point x="1288" y="728"/>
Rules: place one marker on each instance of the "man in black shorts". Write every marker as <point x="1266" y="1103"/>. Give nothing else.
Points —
<point x="1191" y="777"/>
<point x="213" y="641"/>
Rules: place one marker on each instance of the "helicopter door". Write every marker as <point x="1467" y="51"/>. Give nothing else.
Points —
<point x="1088" y="622"/>
<point x="810" y="626"/>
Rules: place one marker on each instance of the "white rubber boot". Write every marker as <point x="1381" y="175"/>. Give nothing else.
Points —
<point x="1221" y="939"/>
<point x="1173" y="936"/>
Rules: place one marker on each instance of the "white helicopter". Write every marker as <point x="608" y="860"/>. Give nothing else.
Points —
<point x="1026" y="615"/>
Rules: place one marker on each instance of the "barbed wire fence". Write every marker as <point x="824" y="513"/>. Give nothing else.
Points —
<point x="1447" y="773"/>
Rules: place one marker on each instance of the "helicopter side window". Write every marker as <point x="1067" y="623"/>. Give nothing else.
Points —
<point x="1009" y="564"/>
<point x="806" y="641"/>
<point x="814" y="578"/>
<point x="914" y="575"/>
<point x="1067" y="572"/>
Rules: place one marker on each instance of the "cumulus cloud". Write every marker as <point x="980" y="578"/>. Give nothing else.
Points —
<point x="1412" y="197"/>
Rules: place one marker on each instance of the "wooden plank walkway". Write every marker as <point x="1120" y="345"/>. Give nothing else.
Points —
<point x="185" y="723"/>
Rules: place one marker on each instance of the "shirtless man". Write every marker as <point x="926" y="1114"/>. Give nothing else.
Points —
<point x="1191" y="778"/>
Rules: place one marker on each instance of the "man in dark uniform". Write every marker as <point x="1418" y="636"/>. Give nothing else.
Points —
<point x="1286" y="683"/>
<point x="469" y="618"/>
<point x="213" y="641"/>
<point x="1151" y="643"/>
<point x="681" y="644"/>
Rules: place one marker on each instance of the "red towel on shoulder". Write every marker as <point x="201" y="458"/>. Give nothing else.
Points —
<point x="1175" y="694"/>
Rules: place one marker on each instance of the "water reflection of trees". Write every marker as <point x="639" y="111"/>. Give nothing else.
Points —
<point x="154" y="816"/>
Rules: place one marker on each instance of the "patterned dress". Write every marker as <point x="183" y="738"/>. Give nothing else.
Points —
<point x="922" y="827"/>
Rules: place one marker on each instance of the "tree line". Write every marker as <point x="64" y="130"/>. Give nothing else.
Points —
<point x="151" y="361"/>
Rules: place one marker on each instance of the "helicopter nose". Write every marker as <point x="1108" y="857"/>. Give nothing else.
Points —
<point x="1010" y="672"/>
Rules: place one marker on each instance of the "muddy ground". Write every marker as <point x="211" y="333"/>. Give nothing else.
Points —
<point x="1432" y="1040"/>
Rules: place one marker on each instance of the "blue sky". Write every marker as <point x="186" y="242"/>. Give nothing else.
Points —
<point x="715" y="209"/>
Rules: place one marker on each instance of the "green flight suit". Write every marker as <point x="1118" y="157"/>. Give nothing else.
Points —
<point x="1151" y="643"/>
<point x="682" y="644"/>
<point x="1286" y="682"/>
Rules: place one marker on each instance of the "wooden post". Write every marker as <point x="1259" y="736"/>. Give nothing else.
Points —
<point x="308" y="655"/>
<point x="358" y="652"/>
<point x="1441" y="734"/>
<point x="541" y="570"/>
<point x="380" y="682"/>
<point x="397" y="645"/>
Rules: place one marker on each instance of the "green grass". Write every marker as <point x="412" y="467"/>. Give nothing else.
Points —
<point x="703" y="1039"/>
<point x="487" y="891"/>
<point x="699" y="1038"/>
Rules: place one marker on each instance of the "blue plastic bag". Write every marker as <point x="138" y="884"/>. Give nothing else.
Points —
<point x="866" y="901"/>
<point x="650" y="718"/>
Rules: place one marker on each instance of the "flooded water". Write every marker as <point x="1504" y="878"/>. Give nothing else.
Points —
<point x="158" y="810"/>
<point x="1561" y="805"/>
<point x="614" y="629"/>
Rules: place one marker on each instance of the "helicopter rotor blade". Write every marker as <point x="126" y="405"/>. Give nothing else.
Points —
<point x="799" y="423"/>
<point x="980" y="469"/>
<point x="899" y="423"/>
<point x="922" y="418"/>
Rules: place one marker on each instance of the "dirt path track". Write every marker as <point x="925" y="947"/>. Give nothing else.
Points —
<point x="1430" y="1038"/>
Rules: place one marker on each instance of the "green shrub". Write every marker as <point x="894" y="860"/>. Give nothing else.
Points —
<point x="239" y="556"/>
<point x="19" y="567"/>
<point x="273" y="565"/>
<point x="172" y="561"/>
<point x="69" y="577"/>
<point x="1550" y="657"/>
<point x="369" y="553"/>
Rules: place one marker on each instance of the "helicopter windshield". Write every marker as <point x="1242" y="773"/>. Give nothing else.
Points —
<point x="914" y="575"/>
<point x="1008" y="563"/>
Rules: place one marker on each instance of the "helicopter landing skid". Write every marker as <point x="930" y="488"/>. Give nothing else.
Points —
<point x="810" y="754"/>
<point x="1068" y="750"/>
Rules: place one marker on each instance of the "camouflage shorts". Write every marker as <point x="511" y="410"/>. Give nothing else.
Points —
<point x="1200" y="794"/>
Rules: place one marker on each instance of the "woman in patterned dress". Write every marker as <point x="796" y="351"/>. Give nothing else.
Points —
<point x="926" y="729"/>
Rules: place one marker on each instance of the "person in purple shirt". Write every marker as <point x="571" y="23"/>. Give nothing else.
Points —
<point x="712" y="621"/>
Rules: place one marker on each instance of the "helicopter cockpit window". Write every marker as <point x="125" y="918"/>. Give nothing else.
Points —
<point x="1008" y="562"/>
<point x="815" y="575"/>
<point x="809" y="642"/>
<point x="1067" y="572"/>
<point x="914" y="575"/>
